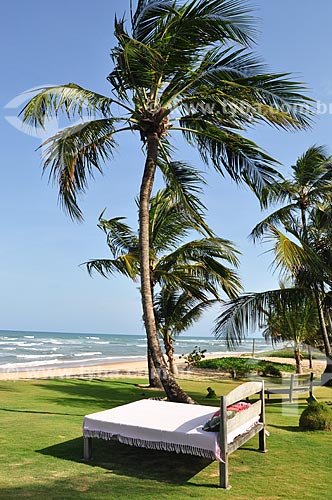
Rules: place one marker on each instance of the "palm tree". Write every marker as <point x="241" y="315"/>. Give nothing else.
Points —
<point x="307" y="220"/>
<point x="183" y="67"/>
<point x="305" y="256"/>
<point x="308" y="264"/>
<point x="175" y="312"/>
<point x="189" y="275"/>
<point x="288" y="314"/>
<point x="296" y="322"/>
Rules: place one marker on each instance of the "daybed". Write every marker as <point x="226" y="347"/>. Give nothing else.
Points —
<point x="178" y="427"/>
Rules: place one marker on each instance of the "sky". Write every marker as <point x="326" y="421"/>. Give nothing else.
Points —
<point x="42" y="285"/>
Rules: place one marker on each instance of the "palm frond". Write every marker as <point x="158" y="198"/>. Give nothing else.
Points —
<point x="176" y="311"/>
<point x="195" y="250"/>
<point x="137" y="66"/>
<point x="280" y="216"/>
<point x="185" y="182"/>
<point x="193" y="23"/>
<point x="70" y="99"/>
<point x="248" y="313"/>
<point x="126" y="265"/>
<point x="219" y="78"/>
<point x="194" y="314"/>
<point x="148" y="19"/>
<point x="280" y="192"/>
<point x="234" y="85"/>
<point x="229" y="152"/>
<point x="293" y="257"/>
<point x="120" y="237"/>
<point x="313" y="166"/>
<point x="73" y="154"/>
<point x="180" y="279"/>
<point x="169" y="224"/>
<point x="200" y="260"/>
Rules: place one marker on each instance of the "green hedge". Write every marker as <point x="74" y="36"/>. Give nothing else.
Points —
<point x="240" y="366"/>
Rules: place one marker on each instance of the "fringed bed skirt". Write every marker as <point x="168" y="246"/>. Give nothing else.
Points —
<point x="152" y="445"/>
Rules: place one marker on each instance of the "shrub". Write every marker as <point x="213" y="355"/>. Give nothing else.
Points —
<point x="240" y="367"/>
<point x="194" y="356"/>
<point x="270" y="369"/>
<point x="316" y="417"/>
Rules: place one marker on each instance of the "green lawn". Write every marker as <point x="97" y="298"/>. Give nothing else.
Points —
<point x="41" y="450"/>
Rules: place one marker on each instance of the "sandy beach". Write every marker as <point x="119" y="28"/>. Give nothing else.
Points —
<point x="120" y="369"/>
<point x="132" y="368"/>
<point x="123" y="369"/>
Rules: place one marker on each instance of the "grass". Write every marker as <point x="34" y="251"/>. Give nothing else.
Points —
<point x="242" y="366"/>
<point x="41" y="449"/>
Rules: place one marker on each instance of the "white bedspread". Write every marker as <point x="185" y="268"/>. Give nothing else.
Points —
<point x="160" y="425"/>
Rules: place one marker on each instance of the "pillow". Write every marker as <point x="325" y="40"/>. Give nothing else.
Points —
<point x="239" y="406"/>
<point x="213" y="424"/>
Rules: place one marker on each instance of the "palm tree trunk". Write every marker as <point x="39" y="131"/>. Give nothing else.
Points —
<point x="154" y="381"/>
<point x="310" y="356"/>
<point x="327" y="374"/>
<point x="298" y="358"/>
<point x="169" y="348"/>
<point x="172" y="389"/>
<point x="329" y="320"/>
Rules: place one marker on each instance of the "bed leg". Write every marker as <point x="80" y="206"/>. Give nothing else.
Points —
<point x="223" y="473"/>
<point x="223" y="466"/>
<point x="87" y="448"/>
<point x="262" y="441"/>
<point x="262" y="433"/>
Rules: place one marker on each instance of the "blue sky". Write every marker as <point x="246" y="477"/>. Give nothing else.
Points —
<point x="42" y="286"/>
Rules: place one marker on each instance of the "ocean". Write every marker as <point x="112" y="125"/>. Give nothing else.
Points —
<point x="34" y="350"/>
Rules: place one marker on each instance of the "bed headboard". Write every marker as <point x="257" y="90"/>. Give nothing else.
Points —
<point x="243" y="391"/>
<point x="257" y="409"/>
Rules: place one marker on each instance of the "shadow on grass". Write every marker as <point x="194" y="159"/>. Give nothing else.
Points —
<point x="7" y="388"/>
<point x="289" y="428"/>
<point x="98" y="394"/>
<point x="130" y="461"/>
<point x="93" y="395"/>
<point x="41" y="412"/>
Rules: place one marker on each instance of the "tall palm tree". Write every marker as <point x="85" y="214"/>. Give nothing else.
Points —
<point x="189" y="275"/>
<point x="175" y="312"/>
<point x="182" y="66"/>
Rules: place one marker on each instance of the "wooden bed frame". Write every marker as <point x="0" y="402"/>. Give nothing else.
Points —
<point x="257" y="409"/>
<point x="241" y="392"/>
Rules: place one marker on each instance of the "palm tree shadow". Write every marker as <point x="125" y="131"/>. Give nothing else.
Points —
<point x="125" y="460"/>
<point x="41" y="412"/>
<point x="95" y="393"/>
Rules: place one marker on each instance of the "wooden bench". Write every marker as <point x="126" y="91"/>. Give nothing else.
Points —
<point x="296" y="384"/>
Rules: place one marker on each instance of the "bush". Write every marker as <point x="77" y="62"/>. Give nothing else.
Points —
<point x="316" y="417"/>
<point x="193" y="357"/>
<point x="240" y="367"/>
<point x="270" y="369"/>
